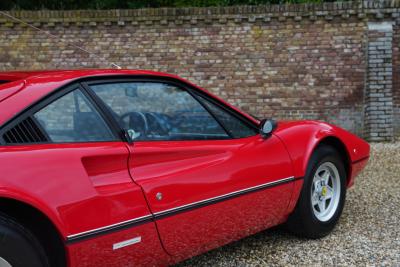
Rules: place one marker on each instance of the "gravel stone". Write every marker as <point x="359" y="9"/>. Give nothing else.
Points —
<point x="368" y="232"/>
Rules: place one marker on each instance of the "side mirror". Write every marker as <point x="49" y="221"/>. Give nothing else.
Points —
<point x="267" y="126"/>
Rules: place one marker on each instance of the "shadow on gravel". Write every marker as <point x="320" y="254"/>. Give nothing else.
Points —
<point x="246" y="246"/>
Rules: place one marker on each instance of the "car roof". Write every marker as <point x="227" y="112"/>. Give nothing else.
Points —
<point x="55" y="75"/>
<point x="15" y="82"/>
<point x="20" y="89"/>
<point x="54" y="79"/>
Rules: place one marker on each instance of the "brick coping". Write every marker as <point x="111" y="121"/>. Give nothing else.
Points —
<point x="360" y="9"/>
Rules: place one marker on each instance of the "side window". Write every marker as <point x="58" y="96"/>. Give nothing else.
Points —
<point x="72" y="118"/>
<point x="235" y="127"/>
<point x="158" y="111"/>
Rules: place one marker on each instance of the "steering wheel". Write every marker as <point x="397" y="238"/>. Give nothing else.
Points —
<point x="137" y="121"/>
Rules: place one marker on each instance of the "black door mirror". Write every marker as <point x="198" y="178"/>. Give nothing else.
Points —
<point x="267" y="126"/>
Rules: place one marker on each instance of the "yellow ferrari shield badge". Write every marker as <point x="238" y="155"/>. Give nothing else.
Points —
<point x="323" y="192"/>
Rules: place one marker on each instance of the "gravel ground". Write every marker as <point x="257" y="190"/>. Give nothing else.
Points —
<point x="367" y="234"/>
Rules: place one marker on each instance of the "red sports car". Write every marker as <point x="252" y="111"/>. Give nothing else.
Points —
<point x="127" y="168"/>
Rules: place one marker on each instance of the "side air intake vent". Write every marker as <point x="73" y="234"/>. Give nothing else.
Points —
<point x="24" y="132"/>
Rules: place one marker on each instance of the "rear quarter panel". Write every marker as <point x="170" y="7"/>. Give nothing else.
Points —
<point x="82" y="187"/>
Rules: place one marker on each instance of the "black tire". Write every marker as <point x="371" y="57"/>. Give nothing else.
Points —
<point x="18" y="246"/>
<point x="303" y="221"/>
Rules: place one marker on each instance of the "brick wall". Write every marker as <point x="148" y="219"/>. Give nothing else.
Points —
<point x="287" y="62"/>
<point x="379" y="82"/>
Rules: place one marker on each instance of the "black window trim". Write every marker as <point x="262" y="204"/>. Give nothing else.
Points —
<point x="30" y="111"/>
<point x="231" y="112"/>
<point x="194" y="92"/>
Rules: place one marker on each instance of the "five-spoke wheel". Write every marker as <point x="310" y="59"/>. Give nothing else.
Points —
<point x="325" y="191"/>
<point x="323" y="194"/>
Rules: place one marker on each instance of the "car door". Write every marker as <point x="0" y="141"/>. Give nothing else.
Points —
<point x="78" y="169"/>
<point x="208" y="176"/>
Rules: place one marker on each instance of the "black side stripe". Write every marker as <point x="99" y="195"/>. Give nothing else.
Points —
<point x="174" y="211"/>
<point x="214" y="200"/>
<point x="108" y="229"/>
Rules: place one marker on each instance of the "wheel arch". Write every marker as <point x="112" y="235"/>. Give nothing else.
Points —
<point x="301" y="138"/>
<point x="301" y="155"/>
<point x="340" y="147"/>
<point x="41" y="226"/>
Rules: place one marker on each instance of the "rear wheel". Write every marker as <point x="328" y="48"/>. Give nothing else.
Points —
<point x="18" y="247"/>
<point x="322" y="197"/>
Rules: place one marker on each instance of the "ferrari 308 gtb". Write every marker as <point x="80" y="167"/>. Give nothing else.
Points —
<point x="127" y="168"/>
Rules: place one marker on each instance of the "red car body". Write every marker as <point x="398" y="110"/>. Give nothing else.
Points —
<point x="95" y="196"/>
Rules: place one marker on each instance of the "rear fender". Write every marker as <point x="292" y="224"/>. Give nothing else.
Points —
<point x="24" y="198"/>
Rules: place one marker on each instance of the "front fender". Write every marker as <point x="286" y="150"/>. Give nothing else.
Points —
<point x="302" y="137"/>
